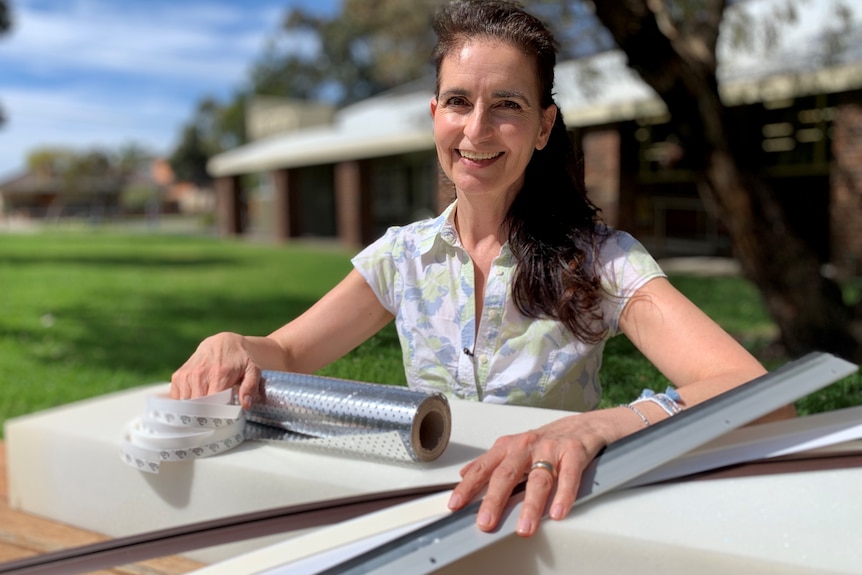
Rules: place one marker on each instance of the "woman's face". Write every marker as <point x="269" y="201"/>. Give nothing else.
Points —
<point x="487" y="118"/>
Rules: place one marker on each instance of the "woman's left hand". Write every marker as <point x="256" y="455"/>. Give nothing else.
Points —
<point x="568" y="445"/>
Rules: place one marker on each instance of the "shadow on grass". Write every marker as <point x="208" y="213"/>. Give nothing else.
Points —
<point x="147" y="345"/>
<point x="159" y="336"/>
<point x="136" y="261"/>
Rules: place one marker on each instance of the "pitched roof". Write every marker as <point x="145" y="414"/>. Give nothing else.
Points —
<point x="596" y="90"/>
<point x="389" y="124"/>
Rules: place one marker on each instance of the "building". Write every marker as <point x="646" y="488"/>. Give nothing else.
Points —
<point x="374" y="164"/>
<point x="150" y="190"/>
<point x="32" y="195"/>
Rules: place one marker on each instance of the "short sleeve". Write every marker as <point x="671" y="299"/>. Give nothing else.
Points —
<point x="625" y="266"/>
<point x="377" y="264"/>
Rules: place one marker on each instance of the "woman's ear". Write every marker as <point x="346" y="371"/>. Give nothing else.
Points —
<point x="549" y="116"/>
<point x="433" y="106"/>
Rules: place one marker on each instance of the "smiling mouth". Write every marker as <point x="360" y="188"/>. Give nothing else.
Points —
<point x="475" y="156"/>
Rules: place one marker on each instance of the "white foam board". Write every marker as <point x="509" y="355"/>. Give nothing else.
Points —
<point x="64" y="464"/>
<point x="791" y="523"/>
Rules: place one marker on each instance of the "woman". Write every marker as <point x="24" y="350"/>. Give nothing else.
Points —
<point x="510" y="294"/>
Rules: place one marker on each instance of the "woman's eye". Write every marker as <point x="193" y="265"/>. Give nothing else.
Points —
<point x="456" y="101"/>
<point x="510" y="105"/>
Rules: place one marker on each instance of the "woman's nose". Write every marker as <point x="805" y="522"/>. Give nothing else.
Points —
<point x="478" y="125"/>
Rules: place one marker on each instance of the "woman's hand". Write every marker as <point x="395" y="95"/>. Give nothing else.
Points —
<point x="221" y="361"/>
<point x="568" y="445"/>
<point x="341" y="320"/>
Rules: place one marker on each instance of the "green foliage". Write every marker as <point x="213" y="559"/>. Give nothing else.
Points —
<point x="376" y="45"/>
<point x="189" y="159"/>
<point x="371" y="46"/>
<point x="136" y="197"/>
<point x="75" y="171"/>
<point x="5" y="26"/>
<point x="5" y="17"/>
<point x="213" y="128"/>
<point x="86" y="314"/>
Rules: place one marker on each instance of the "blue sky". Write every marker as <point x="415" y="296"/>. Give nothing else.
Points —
<point x="104" y="73"/>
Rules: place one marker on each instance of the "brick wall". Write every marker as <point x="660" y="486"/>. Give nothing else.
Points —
<point x="353" y="203"/>
<point x="846" y="189"/>
<point x="602" y="171"/>
<point x="231" y="211"/>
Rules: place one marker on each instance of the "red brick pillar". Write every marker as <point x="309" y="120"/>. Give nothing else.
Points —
<point x="353" y="215"/>
<point x="287" y="221"/>
<point x="230" y="208"/>
<point x="845" y="205"/>
<point x="602" y="171"/>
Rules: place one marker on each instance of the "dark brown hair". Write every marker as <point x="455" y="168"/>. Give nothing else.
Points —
<point x="553" y="226"/>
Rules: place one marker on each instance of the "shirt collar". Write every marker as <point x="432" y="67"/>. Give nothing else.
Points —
<point x="441" y="228"/>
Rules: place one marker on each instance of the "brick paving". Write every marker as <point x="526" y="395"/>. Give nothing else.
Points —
<point x="23" y="535"/>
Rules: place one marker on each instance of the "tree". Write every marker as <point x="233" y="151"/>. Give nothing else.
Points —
<point x="130" y="159"/>
<point x="213" y="129"/>
<point x="5" y="26"/>
<point x="49" y="162"/>
<point x="672" y="46"/>
<point x="373" y="45"/>
<point x="79" y="171"/>
<point x="189" y="159"/>
<point x="376" y="45"/>
<point x="5" y="17"/>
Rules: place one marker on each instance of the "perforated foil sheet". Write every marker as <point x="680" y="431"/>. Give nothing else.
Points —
<point x="376" y="420"/>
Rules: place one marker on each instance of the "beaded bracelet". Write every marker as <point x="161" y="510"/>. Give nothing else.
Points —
<point x="638" y="411"/>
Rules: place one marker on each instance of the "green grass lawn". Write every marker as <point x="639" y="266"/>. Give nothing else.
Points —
<point x="82" y="314"/>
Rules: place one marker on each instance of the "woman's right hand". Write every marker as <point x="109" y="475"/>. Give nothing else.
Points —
<point x="221" y="361"/>
<point x="341" y="320"/>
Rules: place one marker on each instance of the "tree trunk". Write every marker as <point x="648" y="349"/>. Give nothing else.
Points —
<point x="808" y="307"/>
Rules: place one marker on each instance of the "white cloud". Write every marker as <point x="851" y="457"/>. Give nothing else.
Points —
<point x="186" y="39"/>
<point x="103" y="73"/>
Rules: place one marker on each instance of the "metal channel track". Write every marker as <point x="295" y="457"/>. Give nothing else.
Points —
<point x="447" y="540"/>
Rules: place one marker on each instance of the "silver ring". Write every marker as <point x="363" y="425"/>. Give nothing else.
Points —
<point x="545" y="466"/>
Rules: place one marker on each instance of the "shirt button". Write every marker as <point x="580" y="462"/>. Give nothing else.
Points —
<point x="499" y="272"/>
<point x="483" y="359"/>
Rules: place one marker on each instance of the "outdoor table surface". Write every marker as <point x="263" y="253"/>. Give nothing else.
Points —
<point x="24" y="535"/>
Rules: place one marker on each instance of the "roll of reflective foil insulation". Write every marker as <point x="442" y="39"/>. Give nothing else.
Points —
<point x="381" y="421"/>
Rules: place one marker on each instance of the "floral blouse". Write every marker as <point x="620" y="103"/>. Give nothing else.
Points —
<point x="424" y="277"/>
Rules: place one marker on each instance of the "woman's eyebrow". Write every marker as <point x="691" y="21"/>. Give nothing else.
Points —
<point x="506" y="94"/>
<point x="511" y="94"/>
<point x="455" y="92"/>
